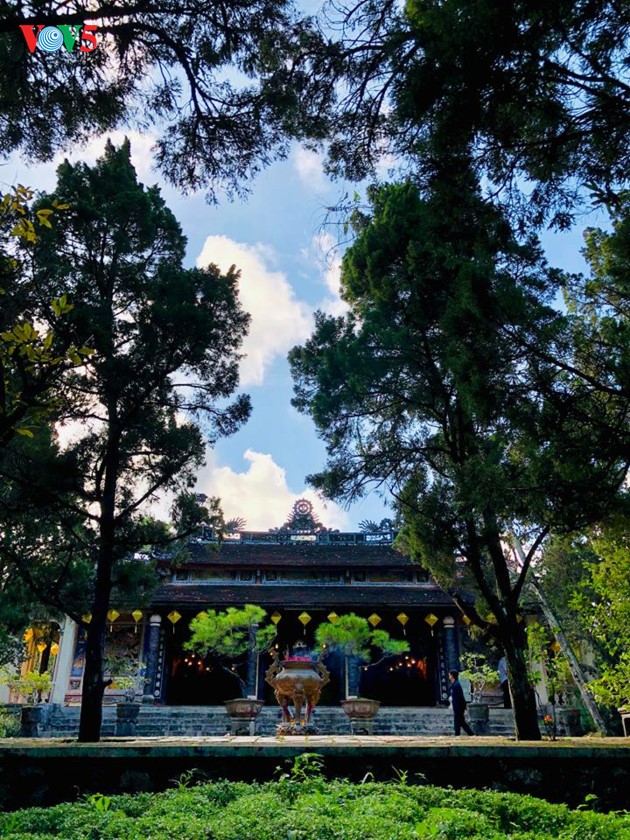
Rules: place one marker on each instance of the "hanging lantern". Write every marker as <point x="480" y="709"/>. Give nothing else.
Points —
<point x="466" y="620"/>
<point x="431" y="620"/>
<point x="403" y="618"/>
<point x="41" y="646"/>
<point x="304" y="618"/>
<point x="519" y="618"/>
<point x="136" y="615"/>
<point x="275" y="617"/>
<point x="86" y="618"/>
<point x="375" y="619"/>
<point x="112" y="615"/>
<point x="54" y="649"/>
<point x="28" y="635"/>
<point x="333" y="617"/>
<point x="173" y="617"/>
<point x="202" y="614"/>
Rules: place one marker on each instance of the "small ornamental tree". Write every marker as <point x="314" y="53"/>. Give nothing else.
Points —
<point x="229" y="635"/>
<point x="353" y="635"/>
<point x="478" y="673"/>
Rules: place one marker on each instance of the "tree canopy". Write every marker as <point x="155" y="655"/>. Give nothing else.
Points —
<point x="431" y="386"/>
<point x="156" y="386"/>
<point x="537" y="93"/>
<point x="228" y="83"/>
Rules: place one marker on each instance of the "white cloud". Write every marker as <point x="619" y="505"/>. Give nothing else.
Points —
<point x="310" y="169"/>
<point x="279" y="321"/>
<point x="261" y="495"/>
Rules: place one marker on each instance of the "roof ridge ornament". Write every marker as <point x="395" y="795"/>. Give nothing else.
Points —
<point x="302" y="520"/>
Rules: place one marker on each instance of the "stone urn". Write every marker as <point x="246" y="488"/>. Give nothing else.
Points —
<point x="361" y="712"/>
<point x="568" y="721"/>
<point x="31" y="718"/>
<point x="479" y="714"/>
<point x="126" y="719"/>
<point x="297" y="681"/>
<point x="243" y="712"/>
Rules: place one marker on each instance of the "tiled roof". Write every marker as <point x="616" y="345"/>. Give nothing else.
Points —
<point x="324" y="597"/>
<point x="296" y="554"/>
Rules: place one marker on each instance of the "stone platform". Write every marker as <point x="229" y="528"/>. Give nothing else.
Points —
<point x="202" y="721"/>
<point x="40" y="772"/>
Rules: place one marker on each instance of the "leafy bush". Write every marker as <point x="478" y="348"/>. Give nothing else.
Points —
<point x="312" y="809"/>
<point x="9" y="724"/>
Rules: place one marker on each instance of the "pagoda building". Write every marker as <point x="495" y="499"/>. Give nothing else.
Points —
<point x="302" y="574"/>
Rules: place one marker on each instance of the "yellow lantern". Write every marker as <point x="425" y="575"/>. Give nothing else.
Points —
<point x="333" y="617"/>
<point x="304" y="618"/>
<point x="519" y="618"/>
<point x="28" y="635"/>
<point x="86" y="618"/>
<point x="112" y="615"/>
<point x="173" y="617"/>
<point x="54" y="649"/>
<point x="431" y="620"/>
<point x="41" y="646"/>
<point x="202" y="614"/>
<point x="375" y="619"/>
<point x="403" y="618"/>
<point x="275" y="617"/>
<point x="136" y="615"/>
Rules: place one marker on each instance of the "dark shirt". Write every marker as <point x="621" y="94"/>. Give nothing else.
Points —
<point x="457" y="697"/>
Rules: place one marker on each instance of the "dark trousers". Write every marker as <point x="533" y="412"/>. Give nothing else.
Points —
<point x="460" y="723"/>
<point x="507" y="700"/>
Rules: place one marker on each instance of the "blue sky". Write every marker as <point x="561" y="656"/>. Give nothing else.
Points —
<point x="290" y="266"/>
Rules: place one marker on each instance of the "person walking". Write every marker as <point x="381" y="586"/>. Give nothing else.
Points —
<point x="458" y="701"/>
<point x="502" y="671"/>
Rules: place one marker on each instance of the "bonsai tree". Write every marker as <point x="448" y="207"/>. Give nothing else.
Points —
<point x="30" y="685"/>
<point x="354" y="636"/>
<point x="229" y="635"/>
<point x="477" y="671"/>
<point x="127" y="677"/>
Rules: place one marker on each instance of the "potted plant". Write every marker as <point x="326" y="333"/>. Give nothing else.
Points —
<point x="235" y="633"/>
<point x="32" y="686"/>
<point x="354" y="636"/>
<point x="130" y="680"/>
<point x="477" y="671"/>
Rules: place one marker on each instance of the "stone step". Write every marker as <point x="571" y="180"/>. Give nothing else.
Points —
<point x="191" y="721"/>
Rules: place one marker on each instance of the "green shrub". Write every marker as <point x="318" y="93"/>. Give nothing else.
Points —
<point x="312" y="809"/>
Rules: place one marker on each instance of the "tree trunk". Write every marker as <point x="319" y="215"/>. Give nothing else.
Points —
<point x="93" y="679"/>
<point x="93" y="682"/>
<point x="521" y="691"/>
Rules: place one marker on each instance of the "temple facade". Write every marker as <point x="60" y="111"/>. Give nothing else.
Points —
<point x="302" y="574"/>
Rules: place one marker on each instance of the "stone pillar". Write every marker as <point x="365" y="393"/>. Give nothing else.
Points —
<point x="63" y="665"/>
<point x="451" y="643"/>
<point x="353" y="675"/>
<point x="251" y="681"/>
<point x="155" y="623"/>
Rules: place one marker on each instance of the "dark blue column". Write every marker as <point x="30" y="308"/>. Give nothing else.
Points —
<point x="451" y="643"/>
<point x="153" y="648"/>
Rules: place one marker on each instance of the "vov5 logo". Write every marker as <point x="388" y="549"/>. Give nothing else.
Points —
<point x="52" y="38"/>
